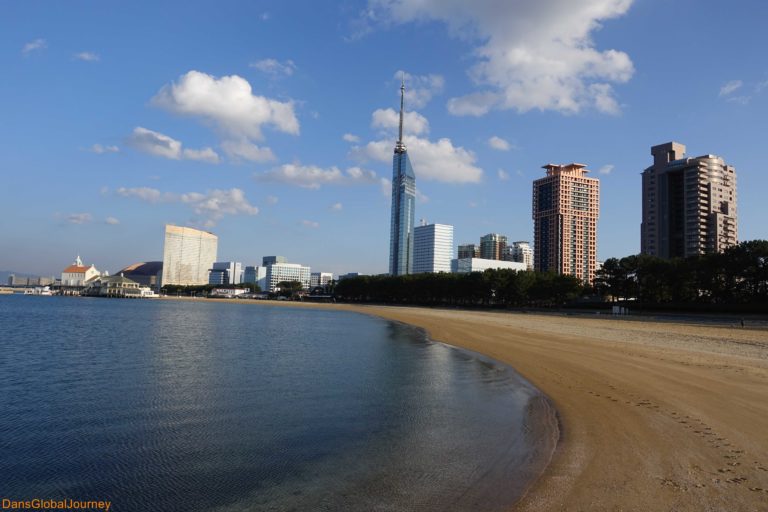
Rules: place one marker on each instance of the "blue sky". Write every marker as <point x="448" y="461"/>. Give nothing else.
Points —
<point x="272" y="123"/>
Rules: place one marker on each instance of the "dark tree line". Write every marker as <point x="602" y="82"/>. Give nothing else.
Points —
<point x="738" y="275"/>
<point x="495" y="287"/>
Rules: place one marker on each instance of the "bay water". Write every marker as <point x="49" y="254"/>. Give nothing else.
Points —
<point x="201" y="405"/>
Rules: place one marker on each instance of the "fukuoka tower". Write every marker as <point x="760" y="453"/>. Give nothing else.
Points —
<point x="403" y="204"/>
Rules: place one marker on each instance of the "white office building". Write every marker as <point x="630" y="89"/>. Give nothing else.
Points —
<point x="432" y="248"/>
<point x="188" y="255"/>
<point x="279" y="272"/>
<point x="320" y="279"/>
<point x="520" y="252"/>
<point x="226" y="272"/>
<point x="257" y="275"/>
<point x="466" y="265"/>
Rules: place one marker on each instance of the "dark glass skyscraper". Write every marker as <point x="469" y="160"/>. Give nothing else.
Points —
<point x="403" y="205"/>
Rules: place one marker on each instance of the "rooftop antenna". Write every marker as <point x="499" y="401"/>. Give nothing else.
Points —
<point x="400" y="147"/>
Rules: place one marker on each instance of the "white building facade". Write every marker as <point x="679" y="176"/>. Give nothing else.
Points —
<point x="257" y="275"/>
<point x="467" y="265"/>
<point x="520" y="252"/>
<point x="77" y="274"/>
<point x="226" y="272"/>
<point x="320" y="279"/>
<point x="279" y="272"/>
<point x="432" y="248"/>
<point x="188" y="255"/>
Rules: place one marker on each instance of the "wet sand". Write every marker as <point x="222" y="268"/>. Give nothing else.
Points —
<point x="653" y="416"/>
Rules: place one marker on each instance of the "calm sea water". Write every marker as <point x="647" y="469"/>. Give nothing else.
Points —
<point x="183" y="406"/>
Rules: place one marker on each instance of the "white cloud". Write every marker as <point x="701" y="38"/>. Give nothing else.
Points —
<point x="211" y="206"/>
<point x="202" y="155"/>
<point x="150" y="195"/>
<point x="244" y="150"/>
<point x="312" y="176"/>
<point x="99" y="149"/>
<point x="730" y="87"/>
<point x="531" y="54"/>
<point x="388" y="119"/>
<point x="337" y="207"/>
<point x="435" y="161"/>
<point x="79" y="218"/>
<point x="498" y="143"/>
<point x="87" y="57"/>
<point x="215" y="204"/>
<point x="229" y="103"/>
<point x="274" y="67"/>
<point x="348" y="137"/>
<point x="37" y="44"/>
<point x="272" y="200"/>
<point x="310" y="224"/>
<point x="112" y="221"/>
<point x="606" y="169"/>
<point x="503" y="175"/>
<point x="158" y="144"/>
<point x="421" y="197"/>
<point x="419" y="89"/>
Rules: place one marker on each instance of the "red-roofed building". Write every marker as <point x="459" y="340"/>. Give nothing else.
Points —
<point x="77" y="275"/>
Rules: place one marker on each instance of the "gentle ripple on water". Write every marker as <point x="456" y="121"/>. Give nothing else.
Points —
<point x="165" y="405"/>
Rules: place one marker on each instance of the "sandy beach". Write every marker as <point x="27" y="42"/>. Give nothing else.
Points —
<point x="653" y="416"/>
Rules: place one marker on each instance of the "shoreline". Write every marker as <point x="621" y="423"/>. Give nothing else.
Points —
<point x="654" y="415"/>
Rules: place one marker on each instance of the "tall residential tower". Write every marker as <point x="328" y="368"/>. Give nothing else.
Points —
<point x="566" y="204"/>
<point x="403" y="205"/>
<point x="689" y="204"/>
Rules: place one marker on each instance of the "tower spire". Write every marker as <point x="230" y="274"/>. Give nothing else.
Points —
<point x="400" y="146"/>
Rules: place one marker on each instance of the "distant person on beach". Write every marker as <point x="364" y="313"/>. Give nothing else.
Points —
<point x="742" y="323"/>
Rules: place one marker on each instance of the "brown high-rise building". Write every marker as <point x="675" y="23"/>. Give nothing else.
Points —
<point x="566" y="205"/>
<point x="689" y="204"/>
<point x="492" y="246"/>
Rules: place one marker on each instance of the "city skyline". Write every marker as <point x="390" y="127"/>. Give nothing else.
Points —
<point x="108" y="139"/>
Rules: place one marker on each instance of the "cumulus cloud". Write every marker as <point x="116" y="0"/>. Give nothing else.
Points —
<point x="158" y="144"/>
<point x="272" y="200"/>
<point x="79" y="218"/>
<point x="229" y="103"/>
<point x="348" y="137"/>
<point x="730" y="87"/>
<point x="388" y="119"/>
<point x="436" y="161"/>
<point x="337" y="207"/>
<point x="531" y="54"/>
<point x="99" y="149"/>
<point x="419" y="89"/>
<point x="503" y="175"/>
<point x="498" y="143"/>
<point x="274" y="67"/>
<point x="606" y="169"/>
<point x="215" y="204"/>
<point x="112" y="221"/>
<point x="310" y="224"/>
<point x="245" y="150"/>
<point x="37" y="44"/>
<point x="87" y="57"/>
<point x="313" y="177"/>
<point x="211" y="206"/>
